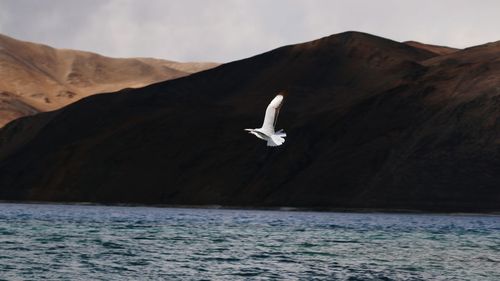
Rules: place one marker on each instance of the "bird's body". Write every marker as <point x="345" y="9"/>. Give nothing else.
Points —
<point x="266" y="132"/>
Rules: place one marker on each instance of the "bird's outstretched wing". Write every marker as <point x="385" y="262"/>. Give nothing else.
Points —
<point x="272" y="113"/>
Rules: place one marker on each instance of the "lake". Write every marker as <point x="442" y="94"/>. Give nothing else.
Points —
<point x="84" y="242"/>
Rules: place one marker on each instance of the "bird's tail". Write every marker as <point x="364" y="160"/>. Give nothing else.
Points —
<point x="280" y="133"/>
<point x="277" y="139"/>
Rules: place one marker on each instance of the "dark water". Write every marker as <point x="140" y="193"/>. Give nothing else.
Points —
<point x="70" y="242"/>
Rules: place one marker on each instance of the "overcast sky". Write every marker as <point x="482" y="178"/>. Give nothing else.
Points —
<point x="226" y="30"/>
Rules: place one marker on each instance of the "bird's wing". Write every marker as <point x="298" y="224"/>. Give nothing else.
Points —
<point x="272" y="113"/>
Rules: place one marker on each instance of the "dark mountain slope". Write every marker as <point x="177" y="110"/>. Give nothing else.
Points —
<point x="438" y="50"/>
<point x="372" y="123"/>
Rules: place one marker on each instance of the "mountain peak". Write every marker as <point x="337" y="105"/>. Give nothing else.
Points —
<point x="366" y="45"/>
<point x="369" y="126"/>
<point x="41" y="78"/>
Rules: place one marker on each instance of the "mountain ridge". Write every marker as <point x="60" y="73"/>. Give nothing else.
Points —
<point x="371" y="123"/>
<point x="46" y="78"/>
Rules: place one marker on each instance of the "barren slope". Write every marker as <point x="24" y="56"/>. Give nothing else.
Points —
<point x="40" y="78"/>
<point x="371" y="123"/>
<point x="438" y="50"/>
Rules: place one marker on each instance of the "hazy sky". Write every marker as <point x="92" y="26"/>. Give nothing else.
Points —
<point x="225" y="30"/>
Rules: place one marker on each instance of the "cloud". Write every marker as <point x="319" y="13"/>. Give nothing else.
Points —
<point x="4" y="16"/>
<point x="225" y="30"/>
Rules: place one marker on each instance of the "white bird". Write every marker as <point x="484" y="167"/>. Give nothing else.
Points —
<point x="266" y="132"/>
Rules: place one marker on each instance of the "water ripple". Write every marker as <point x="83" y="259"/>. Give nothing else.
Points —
<point x="71" y="242"/>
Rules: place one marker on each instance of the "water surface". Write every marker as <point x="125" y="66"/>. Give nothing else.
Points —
<point x="75" y="242"/>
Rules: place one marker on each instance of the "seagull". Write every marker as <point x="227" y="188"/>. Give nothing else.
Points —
<point x="266" y="132"/>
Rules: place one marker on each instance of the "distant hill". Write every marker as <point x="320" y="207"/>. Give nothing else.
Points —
<point x="371" y="123"/>
<point x="39" y="78"/>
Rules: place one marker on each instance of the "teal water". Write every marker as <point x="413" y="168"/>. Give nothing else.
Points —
<point x="74" y="242"/>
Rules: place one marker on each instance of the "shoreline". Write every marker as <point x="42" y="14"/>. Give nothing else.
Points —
<point x="260" y="208"/>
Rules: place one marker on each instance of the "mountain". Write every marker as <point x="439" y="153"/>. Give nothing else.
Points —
<point x="371" y="123"/>
<point x="39" y="78"/>
<point x="438" y="50"/>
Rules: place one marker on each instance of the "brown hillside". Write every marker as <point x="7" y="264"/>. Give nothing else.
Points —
<point x="438" y="50"/>
<point x="371" y="123"/>
<point x="38" y="78"/>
